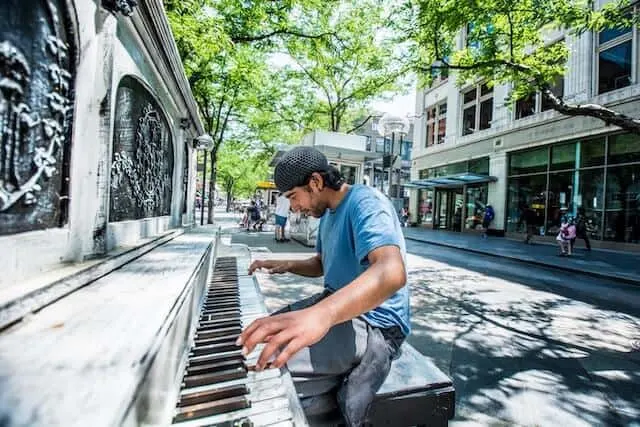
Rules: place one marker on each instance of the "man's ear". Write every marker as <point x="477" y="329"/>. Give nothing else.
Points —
<point x="316" y="182"/>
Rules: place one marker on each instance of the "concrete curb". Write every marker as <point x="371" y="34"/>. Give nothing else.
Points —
<point x="565" y="268"/>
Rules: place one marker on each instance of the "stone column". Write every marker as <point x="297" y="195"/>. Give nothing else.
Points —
<point x="90" y="158"/>
<point x="497" y="192"/>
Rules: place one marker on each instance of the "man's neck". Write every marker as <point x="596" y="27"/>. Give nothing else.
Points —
<point x="335" y="197"/>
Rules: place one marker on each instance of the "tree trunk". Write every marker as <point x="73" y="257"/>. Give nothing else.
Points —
<point x="212" y="187"/>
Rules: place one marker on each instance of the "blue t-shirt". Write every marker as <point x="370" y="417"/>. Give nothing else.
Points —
<point x="363" y="221"/>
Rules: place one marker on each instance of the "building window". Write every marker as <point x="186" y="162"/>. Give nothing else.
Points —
<point x="477" y="109"/>
<point x="600" y="176"/>
<point x="436" y="130"/>
<point x="615" y="47"/>
<point x="535" y="103"/>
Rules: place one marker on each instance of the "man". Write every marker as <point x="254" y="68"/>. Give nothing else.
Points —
<point x="343" y="339"/>
<point x="489" y="214"/>
<point x="282" y="213"/>
<point x="529" y="218"/>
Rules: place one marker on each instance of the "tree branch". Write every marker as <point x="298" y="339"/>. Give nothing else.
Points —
<point x="259" y="37"/>
<point x="361" y="124"/>
<point x="605" y="114"/>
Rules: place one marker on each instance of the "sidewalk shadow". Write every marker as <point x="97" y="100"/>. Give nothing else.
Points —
<point x="509" y="361"/>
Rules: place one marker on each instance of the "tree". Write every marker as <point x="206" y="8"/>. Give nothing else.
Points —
<point x="344" y="73"/>
<point x="505" y="43"/>
<point x="240" y="168"/>
<point x="223" y="46"/>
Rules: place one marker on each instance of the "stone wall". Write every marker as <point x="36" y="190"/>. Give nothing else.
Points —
<point x="97" y="119"/>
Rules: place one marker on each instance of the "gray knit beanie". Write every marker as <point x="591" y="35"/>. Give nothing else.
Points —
<point x="297" y="165"/>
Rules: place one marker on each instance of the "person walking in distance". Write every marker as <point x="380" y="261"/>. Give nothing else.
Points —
<point x="489" y="214"/>
<point x="282" y="213"/>
<point x="342" y="340"/>
<point x="581" y="227"/>
<point x="529" y="218"/>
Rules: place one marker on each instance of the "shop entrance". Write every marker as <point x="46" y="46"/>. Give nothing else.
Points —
<point x="448" y="209"/>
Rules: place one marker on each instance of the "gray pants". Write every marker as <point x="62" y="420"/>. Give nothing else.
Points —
<point x="350" y="362"/>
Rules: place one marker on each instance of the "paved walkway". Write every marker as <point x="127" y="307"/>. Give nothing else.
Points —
<point x="600" y="263"/>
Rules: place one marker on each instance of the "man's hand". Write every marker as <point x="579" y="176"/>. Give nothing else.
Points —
<point x="287" y="332"/>
<point x="272" y="266"/>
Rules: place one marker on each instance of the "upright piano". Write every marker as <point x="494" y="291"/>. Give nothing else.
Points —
<point x="153" y="343"/>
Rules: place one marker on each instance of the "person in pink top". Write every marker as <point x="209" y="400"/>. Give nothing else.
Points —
<point x="566" y="237"/>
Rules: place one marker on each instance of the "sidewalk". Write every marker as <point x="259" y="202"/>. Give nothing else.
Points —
<point x="599" y="263"/>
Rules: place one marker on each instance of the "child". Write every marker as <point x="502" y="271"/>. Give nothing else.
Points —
<point x="566" y="237"/>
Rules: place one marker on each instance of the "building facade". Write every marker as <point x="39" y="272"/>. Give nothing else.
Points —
<point x="389" y="179"/>
<point x="472" y="149"/>
<point x="97" y="122"/>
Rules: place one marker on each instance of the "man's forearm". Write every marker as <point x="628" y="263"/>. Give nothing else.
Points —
<point x="374" y="286"/>
<point x="311" y="267"/>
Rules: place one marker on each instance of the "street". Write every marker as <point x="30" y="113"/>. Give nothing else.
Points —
<point x="524" y="345"/>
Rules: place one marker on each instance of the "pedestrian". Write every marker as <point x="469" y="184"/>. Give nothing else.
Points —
<point x="529" y="218"/>
<point x="581" y="227"/>
<point x="489" y="214"/>
<point x="282" y="213"/>
<point x="566" y="237"/>
<point x="343" y="339"/>
<point x="404" y="216"/>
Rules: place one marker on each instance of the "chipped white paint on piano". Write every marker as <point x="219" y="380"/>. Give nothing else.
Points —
<point x="82" y="360"/>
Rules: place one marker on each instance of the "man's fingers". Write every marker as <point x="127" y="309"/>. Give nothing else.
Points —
<point x="249" y="330"/>
<point x="294" y="346"/>
<point x="274" y="345"/>
<point x="270" y="326"/>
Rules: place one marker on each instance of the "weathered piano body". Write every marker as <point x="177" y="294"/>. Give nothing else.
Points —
<point x="150" y="343"/>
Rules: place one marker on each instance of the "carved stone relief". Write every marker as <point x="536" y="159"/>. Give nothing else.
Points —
<point x="142" y="163"/>
<point x="124" y="7"/>
<point x="36" y="98"/>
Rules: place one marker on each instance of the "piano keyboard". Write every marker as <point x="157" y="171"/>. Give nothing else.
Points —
<point x="219" y="387"/>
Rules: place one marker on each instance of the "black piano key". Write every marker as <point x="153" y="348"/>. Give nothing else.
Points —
<point x="198" y="380"/>
<point x="218" y="332"/>
<point x="198" y="342"/>
<point x="214" y="348"/>
<point x="219" y="323"/>
<point x="211" y="408"/>
<point x="214" y="367"/>
<point x="221" y="305"/>
<point x="240" y="422"/>
<point x="220" y="393"/>
<point x="212" y="358"/>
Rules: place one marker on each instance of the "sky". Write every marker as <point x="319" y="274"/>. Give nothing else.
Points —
<point x="400" y="105"/>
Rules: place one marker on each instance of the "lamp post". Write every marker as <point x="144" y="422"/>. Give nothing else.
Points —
<point x="203" y="143"/>
<point x="390" y="124"/>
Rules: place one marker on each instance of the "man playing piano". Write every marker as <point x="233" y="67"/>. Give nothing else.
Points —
<point x="343" y="339"/>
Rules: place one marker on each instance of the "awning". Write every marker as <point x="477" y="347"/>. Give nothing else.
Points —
<point x="265" y="185"/>
<point x="451" y="181"/>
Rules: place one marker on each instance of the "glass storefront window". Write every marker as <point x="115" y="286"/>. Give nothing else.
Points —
<point x="425" y="206"/>
<point x="592" y="153"/>
<point x="349" y="173"/>
<point x="560" y="200"/>
<point x="622" y="215"/>
<point x="529" y="191"/>
<point x="531" y="161"/>
<point x="476" y="203"/>
<point x="480" y="166"/>
<point x="563" y="156"/>
<point x="590" y="196"/>
<point x="624" y="148"/>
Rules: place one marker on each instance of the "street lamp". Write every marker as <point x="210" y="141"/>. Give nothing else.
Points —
<point x="205" y="143"/>
<point x="390" y="124"/>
